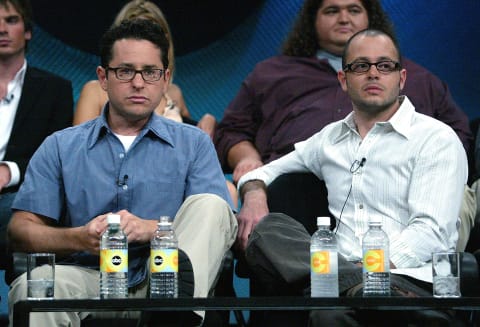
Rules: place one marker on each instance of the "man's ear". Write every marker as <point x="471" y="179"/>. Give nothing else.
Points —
<point x="167" y="79"/>
<point x="102" y="77"/>
<point x="403" y="78"/>
<point x="28" y="35"/>
<point x="342" y="78"/>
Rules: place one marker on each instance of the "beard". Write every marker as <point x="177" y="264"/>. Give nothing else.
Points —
<point x="374" y="106"/>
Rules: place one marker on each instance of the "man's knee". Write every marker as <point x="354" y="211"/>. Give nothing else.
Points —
<point x="215" y="212"/>
<point x="278" y="250"/>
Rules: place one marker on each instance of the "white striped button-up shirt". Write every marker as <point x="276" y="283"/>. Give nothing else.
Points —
<point x="410" y="170"/>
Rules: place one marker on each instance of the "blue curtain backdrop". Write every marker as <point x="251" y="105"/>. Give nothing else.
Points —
<point x="442" y="35"/>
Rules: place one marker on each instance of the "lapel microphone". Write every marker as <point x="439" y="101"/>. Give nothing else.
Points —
<point x="357" y="164"/>
<point x="8" y="98"/>
<point x="122" y="182"/>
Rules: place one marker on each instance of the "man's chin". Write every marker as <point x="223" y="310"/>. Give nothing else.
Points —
<point x="375" y="107"/>
<point x="137" y="114"/>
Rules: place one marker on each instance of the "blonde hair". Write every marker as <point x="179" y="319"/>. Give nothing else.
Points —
<point x="148" y="10"/>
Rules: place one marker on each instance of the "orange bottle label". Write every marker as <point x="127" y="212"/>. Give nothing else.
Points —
<point x="374" y="260"/>
<point x="320" y="262"/>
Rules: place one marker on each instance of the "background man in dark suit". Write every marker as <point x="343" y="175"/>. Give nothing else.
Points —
<point x="33" y="104"/>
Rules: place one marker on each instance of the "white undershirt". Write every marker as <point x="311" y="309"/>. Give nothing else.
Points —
<point x="126" y="140"/>
<point x="8" y="110"/>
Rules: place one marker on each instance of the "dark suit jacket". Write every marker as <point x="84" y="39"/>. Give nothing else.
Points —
<point x="46" y="105"/>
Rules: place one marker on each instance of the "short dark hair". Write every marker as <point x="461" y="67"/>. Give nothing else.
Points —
<point x="138" y="29"/>
<point x="303" y="39"/>
<point x="370" y="32"/>
<point x="24" y="8"/>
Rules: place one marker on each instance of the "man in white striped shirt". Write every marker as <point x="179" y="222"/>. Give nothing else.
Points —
<point x="384" y="159"/>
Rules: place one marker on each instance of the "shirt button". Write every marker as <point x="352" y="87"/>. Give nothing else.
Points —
<point x="125" y="187"/>
<point x="121" y="155"/>
<point x="360" y="206"/>
<point x="339" y="110"/>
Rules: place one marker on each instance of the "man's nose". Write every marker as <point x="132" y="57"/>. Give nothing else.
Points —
<point x="373" y="71"/>
<point x="137" y="79"/>
<point x="3" y="25"/>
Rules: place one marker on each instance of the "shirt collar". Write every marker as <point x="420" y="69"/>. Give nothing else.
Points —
<point x="400" y="122"/>
<point x="155" y="126"/>
<point x="333" y="60"/>
<point x="14" y="87"/>
<point x="20" y="76"/>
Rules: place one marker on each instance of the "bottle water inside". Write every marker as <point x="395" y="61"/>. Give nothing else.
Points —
<point x="376" y="260"/>
<point x="324" y="261"/>
<point x="113" y="261"/>
<point x="164" y="261"/>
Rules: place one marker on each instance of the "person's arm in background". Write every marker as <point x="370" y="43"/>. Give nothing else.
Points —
<point x="451" y="114"/>
<point x="235" y="134"/>
<point x="207" y="123"/>
<point x="90" y="102"/>
<point x="432" y="97"/>
<point x="176" y="95"/>
<point x="244" y="157"/>
<point x="5" y="175"/>
<point x="52" y="110"/>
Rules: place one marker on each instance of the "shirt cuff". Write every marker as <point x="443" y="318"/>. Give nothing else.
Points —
<point x="14" y="173"/>
<point x="256" y="174"/>
<point x="401" y="255"/>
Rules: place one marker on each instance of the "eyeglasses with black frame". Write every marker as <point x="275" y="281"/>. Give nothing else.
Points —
<point x="361" y="67"/>
<point x="128" y="74"/>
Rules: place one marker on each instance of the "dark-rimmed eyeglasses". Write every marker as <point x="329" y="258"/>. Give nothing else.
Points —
<point x="128" y="74"/>
<point x="361" y="67"/>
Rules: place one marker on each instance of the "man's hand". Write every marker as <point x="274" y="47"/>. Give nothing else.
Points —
<point x="244" y="166"/>
<point x="91" y="234"/>
<point x="4" y="175"/>
<point x="137" y="229"/>
<point x="254" y="208"/>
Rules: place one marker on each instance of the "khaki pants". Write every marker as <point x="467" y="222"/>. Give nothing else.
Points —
<point x="206" y="229"/>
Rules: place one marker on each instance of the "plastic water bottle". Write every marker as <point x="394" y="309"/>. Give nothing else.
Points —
<point x="376" y="260"/>
<point x="164" y="261"/>
<point x="113" y="261"/>
<point x="324" y="261"/>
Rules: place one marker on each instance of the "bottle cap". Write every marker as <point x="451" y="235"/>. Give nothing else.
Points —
<point x="375" y="220"/>
<point x="113" y="219"/>
<point x="323" y="221"/>
<point x="164" y="220"/>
